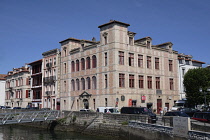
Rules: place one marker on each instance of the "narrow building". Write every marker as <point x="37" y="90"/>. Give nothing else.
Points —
<point x="118" y="71"/>
<point x="36" y="84"/>
<point x="2" y="89"/>
<point x="51" y="79"/>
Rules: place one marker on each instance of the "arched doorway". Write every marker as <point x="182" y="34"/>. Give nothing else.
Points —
<point x="86" y="103"/>
<point x="85" y="97"/>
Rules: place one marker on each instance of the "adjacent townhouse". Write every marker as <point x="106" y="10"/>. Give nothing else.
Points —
<point x="18" y="87"/>
<point x="36" y="84"/>
<point x="2" y="89"/>
<point x="118" y="71"/>
<point x="51" y="79"/>
<point x="185" y="63"/>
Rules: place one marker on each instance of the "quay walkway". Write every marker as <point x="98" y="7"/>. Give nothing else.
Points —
<point x="29" y="116"/>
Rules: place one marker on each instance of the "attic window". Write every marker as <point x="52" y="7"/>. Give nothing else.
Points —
<point x="148" y="44"/>
<point x="64" y="49"/>
<point x="105" y="37"/>
<point x="105" y="40"/>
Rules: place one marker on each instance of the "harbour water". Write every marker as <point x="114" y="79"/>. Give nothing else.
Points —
<point x="16" y="132"/>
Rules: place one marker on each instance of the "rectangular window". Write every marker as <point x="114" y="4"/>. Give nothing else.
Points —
<point x="141" y="81"/>
<point x="106" y="81"/>
<point x="121" y="80"/>
<point x="149" y="82"/>
<point x="140" y="61"/>
<point x="105" y="59"/>
<point x="183" y="72"/>
<point x="121" y="58"/>
<point x="170" y="65"/>
<point x="157" y="81"/>
<point x="131" y="59"/>
<point x="187" y="62"/>
<point x="131" y="81"/>
<point x="64" y="67"/>
<point x="171" y="84"/>
<point x="149" y="62"/>
<point x="106" y="102"/>
<point x="148" y="44"/>
<point x="157" y="63"/>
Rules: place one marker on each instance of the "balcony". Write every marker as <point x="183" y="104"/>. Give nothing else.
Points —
<point x="48" y="93"/>
<point x="46" y="80"/>
<point x="49" y="80"/>
<point x="52" y="79"/>
<point x="36" y="100"/>
<point x="49" y="65"/>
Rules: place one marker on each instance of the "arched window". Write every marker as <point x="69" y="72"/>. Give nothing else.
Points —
<point x="83" y="83"/>
<point x="94" y="61"/>
<point x="94" y="86"/>
<point x="88" y="83"/>
<point x="64" y="86"/>
<point x="77" y="84"/>
<point x="72" y="66"/>
<point x="88" y="63"/>
<point x="72" y="85"/>
<point x="77" y="65"/>
<point x="82" y="64"/>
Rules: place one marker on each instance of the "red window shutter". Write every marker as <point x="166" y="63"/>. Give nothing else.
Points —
<point x="130" y="102"/>
<point x="26" y="93"/>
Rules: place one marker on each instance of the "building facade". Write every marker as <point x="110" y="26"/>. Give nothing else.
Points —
<point x="36" y="84"/>
<point x="51" y="79"/>
<point x="185" y="63"/>
<point x="2" y="89"/>
<point x="18" y="87"/>
<point x="118" y="71"/>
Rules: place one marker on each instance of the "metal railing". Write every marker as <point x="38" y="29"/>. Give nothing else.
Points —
<point x="31" y="116"/>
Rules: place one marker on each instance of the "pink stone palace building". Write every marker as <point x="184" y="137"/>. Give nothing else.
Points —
<point x="119" y="70"/>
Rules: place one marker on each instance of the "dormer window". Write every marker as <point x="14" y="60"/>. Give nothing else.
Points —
<point x="130" y="40"/>
<point x="131" y="37"/>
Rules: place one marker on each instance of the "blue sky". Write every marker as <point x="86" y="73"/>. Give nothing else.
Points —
<point x="30" y="27"/>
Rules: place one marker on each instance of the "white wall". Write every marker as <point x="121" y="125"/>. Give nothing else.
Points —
<point x="2" y="92"/>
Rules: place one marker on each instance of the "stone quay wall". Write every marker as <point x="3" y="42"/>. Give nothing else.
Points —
<point x="117" y="126"/>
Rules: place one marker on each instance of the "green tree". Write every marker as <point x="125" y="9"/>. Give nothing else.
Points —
<point x="194" y="80"/>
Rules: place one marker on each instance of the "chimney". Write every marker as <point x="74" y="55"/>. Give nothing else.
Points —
<point x="94" y="39"/>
